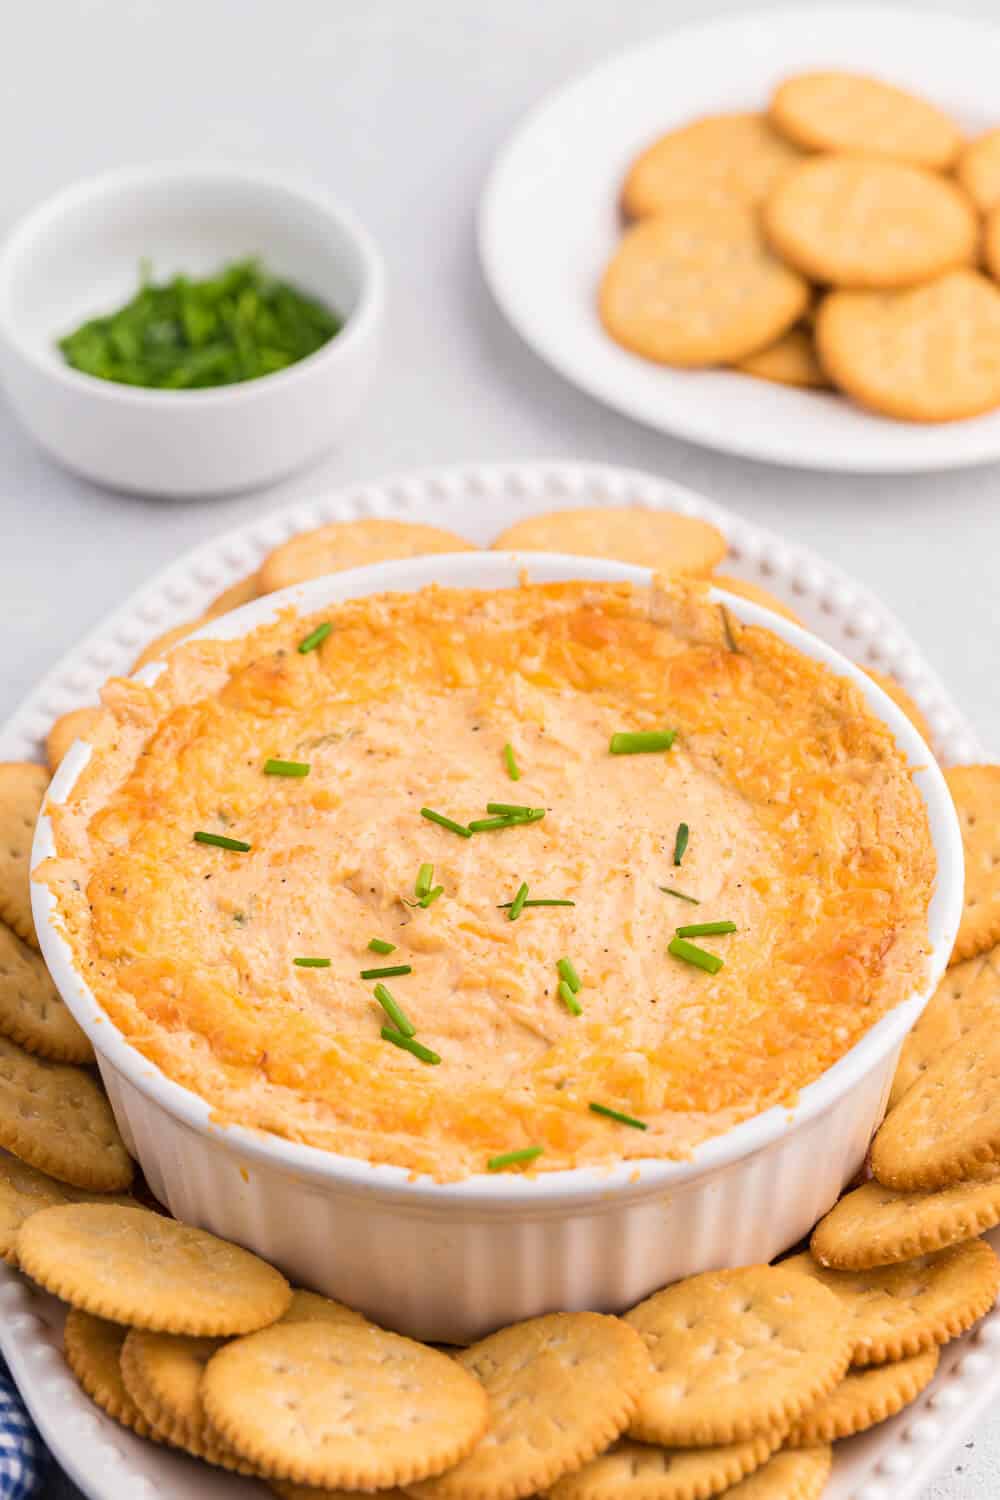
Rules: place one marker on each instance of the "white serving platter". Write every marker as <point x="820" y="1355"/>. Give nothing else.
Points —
<point x="893" y="1462"/>
<point x="549" y="220"/>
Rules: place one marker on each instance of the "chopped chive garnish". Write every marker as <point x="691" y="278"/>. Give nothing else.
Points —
<point x="389" y="972"/>
<point x="614" y="1114"/>
<point x="286" y="768"/>
<point x="642" y="742"/>
<point x="424" y="880"/>
<point x="681" y="842"/>
<point x="706" y="929"/>
<point x="668" y="890"/>
<point x="691" y="954"/>
<point x="409" y="1045"/>
<point x="311" y="963"/>
<point x="568" y="999"/>
<point x="511" y="763"/>
<point x="541" y="901"/>
<point x="315" y="637"/>
<point x="429" y="897"/>
<point x="727" y="626"/>
<point x="517" y="905"/>
<point x="514" y="1158"/>
<point x="394" y="1011"/>
<point x="379" y="945"/>
<point x="219" y="841"/>
<point x="568" y="972"/>
<point x="513" y="819"/>
<point x="443" y="822"/>
<point x="515" y="810"/>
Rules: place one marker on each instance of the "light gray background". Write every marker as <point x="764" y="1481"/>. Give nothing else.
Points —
<point x="398" y="106"/>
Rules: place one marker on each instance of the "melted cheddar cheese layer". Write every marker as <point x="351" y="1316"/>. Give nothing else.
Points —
<point x="806" y="831"/>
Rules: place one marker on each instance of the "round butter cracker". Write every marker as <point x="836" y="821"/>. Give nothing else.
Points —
<point x="931" y="354"/>
<point x="947" y="1126"/>
<point x="310" y="1307"/>
<point x="968" y="991"/>
<point x="838" y="111"/>
<point x="640" y="1471"/>
<point x="560" y="1389"/>
<point x="78" y="724"/>
<point x="698" y="286"/>
<point x="32" y="1012"/>
<point x="793" y="1474"/>
<point x="900" y="1310"/>
<point x="663" y="540"/>
<point x="864" y="1398"/>
<point x="56" y="1117"/>
<point x="734" y="158"/>
<point x="975" y="791"/>
<point x="863" y="223"/>
<point x="22" y="791"/>
<point x="243" y="591"/>
<point x="875" y="1226"/>
<point x="161" y="646"/>
<point x="791" y="361"/>
<point x="133" y="1266"/>
<point x="162" y="1374"/>
<point x="93" y="1348"/>
<point x="341" y="1406"/>
<point x="352" y="544"/>
<point x="737" y="1353"/>
<point x="978" y="170"/>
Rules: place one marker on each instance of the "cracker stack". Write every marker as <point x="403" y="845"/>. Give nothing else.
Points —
<point x="833" y="240"/>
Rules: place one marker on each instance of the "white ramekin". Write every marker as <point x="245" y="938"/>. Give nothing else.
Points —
<point x="78" y="255"/>
<point x="450" y="1261"/>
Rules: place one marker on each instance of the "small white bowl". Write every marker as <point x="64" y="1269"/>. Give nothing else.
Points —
<point x="451" y="1261"/>
<point x="78" y="255"/>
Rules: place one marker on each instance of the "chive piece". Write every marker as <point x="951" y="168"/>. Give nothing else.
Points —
<point x="424" y="880"/>
<point x="311" y="963"/>
<point x="315" y="637"/>
<point x="669" y="890"/>
<point x="681" y="842"/>
<point x="219" y="841"/>
<point x="394" y="1011"/>
<point x="389" y="972"/>
<point x="614" y="1114"/>
<point x="706" y="929"/>
<point x="515" y="810"/>
<point x="409" y="1045"/>
<point x="511" y="763"/>
<point x="691" y="954"/>
<point x="286" y="768"/>
<point x="541" y="901"/>
<point x="727" y="626"/>
<point x="429" y="897"/>
<point x="568" y="998"/>
<point x="443" y="822"/>
<point x="379" y="945"/>
<point x="517" y="905"/>
<point x="642" y="742"/>
<point x="513" y="1158"/>
<point x="568" y="972"/>
<point x="507" y="820"/>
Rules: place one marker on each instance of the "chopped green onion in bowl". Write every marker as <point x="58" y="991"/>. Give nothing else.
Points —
<point x="188" y="334"/>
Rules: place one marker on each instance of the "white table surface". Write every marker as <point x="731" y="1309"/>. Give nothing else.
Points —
<point x="399" y="105"/>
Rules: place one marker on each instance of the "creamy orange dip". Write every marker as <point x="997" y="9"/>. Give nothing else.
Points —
<point x="806" y="831"/>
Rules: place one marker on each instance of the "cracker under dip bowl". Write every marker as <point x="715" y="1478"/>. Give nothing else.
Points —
<point x="83" y="254"/>
<point x="422" y="1221"/>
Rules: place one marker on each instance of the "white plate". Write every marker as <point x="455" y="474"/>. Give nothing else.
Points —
<point x="549" y="221"/>
<point x="893" y="1462"/>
